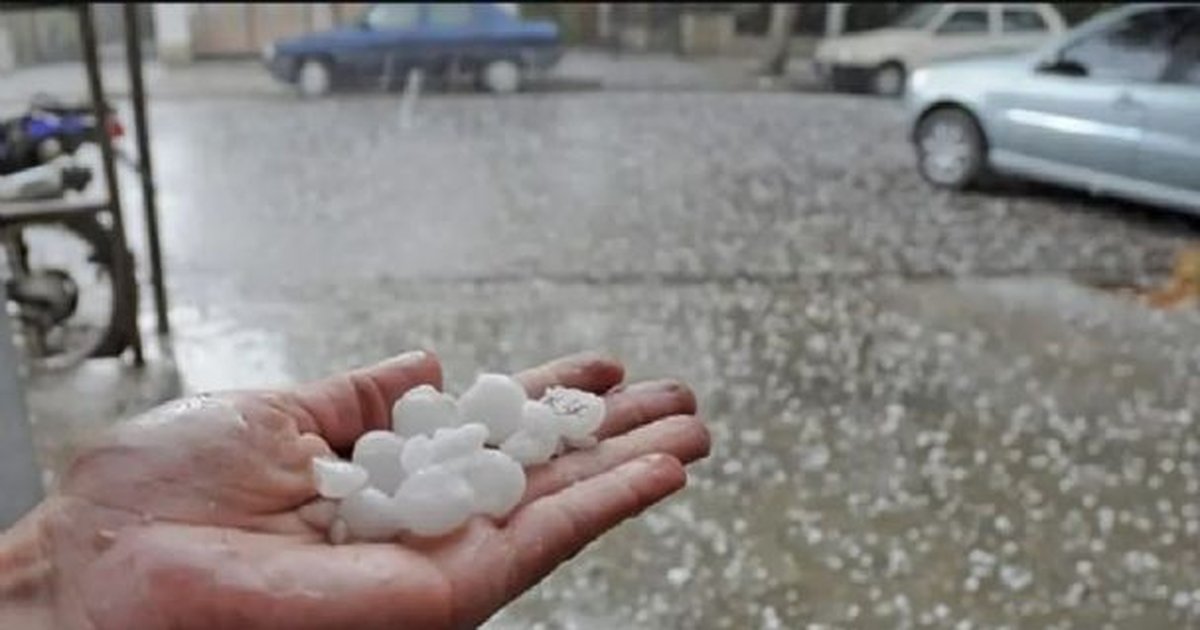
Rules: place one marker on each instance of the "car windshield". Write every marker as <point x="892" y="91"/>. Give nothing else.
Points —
<point x="918" y="16"/>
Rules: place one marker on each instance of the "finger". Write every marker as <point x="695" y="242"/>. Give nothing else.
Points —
<point x="683" y="437"/>
<point x="343" y="407"/>
<point x="640" y="403"/>
<point x="588" y="371"/>
<point x="551" y="530"/>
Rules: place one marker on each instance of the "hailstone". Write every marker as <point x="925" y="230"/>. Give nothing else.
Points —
<point x="337" y="479"/>
<point x="530" y="447"/>
<point x="434" y="501"/>
<point x="496" y="401"/>
<point x="370" y="514"/>
<point x="578" y="412"/>
<point x="379" y="453"/>
<point x="423" y="410"/>
<point x="497" y="480"/>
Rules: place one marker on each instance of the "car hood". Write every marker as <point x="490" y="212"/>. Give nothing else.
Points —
<point x="319" y="39"/>
<point x="968" y="80"/>
<point x="983" y="64"/>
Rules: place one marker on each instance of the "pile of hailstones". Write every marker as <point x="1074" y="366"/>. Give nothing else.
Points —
<point x="434" y="470"/>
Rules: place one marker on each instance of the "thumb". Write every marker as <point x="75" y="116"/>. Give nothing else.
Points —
<point x="345" y="406"/>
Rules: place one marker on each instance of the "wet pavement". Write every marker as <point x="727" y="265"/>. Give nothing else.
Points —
<point x="923" y="414"/>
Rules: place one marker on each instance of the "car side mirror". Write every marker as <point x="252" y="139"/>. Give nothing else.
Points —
<point x="1063" y="67"/>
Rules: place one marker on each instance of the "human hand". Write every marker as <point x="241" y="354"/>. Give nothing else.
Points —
<point x="199" y="514"/>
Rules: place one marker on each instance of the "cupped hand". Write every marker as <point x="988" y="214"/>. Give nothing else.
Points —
<point x="201" y="513"/>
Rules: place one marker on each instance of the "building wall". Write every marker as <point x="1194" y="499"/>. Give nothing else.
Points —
<point x="239" y="29"/>
<point x="655" y="26"/>
<point x="52" y="34"/>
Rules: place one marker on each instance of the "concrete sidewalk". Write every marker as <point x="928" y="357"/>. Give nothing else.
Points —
<point x="246" y="77"/>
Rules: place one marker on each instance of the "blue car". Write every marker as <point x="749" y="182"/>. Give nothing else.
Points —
<point x="489" y="42"/>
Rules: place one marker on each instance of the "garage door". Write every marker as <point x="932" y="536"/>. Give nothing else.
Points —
<point x="239" y="28"/>
<point x="221" y="29"/>
<point x="269" y="22"/>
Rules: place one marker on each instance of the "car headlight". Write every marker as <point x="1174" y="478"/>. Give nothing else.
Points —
<point x="917" y="79"/>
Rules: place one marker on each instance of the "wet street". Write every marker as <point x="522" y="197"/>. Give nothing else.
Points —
<point x="924" y="412"/>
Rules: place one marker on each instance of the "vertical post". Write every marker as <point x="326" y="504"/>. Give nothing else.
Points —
<point x="20" y="476"/>
<point x="133" y="58"/>
<point x="122" y="260"/>
<point x="835" y="19"/>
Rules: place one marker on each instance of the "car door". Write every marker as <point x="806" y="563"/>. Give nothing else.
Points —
<point x="392" y="38"/>
<point x="1082" y="110"/>
<point x="962" y="30"/>
<point x="1169" y="153"/>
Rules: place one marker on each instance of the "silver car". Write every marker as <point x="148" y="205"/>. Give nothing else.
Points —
<point x="1112" y="107"/>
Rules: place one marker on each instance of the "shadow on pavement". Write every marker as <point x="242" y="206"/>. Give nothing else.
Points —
<point x="1153" y="217"/>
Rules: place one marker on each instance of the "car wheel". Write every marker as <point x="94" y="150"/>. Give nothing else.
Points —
<point x="502" y="76"/>
<point x="950" y="148"/>
<point x="314" y="78"/>
<point x="888" y="79"/>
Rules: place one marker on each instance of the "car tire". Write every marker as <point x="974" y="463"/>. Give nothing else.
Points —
<point x="314" y="78"/>
<point x="501" y="76"/>
<point x="839" y="81"/>
<point x="951" y="151"/>
<point x="888" y="79"/>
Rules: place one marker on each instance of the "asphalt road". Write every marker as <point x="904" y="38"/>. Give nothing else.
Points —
<point x="923" y="413"/>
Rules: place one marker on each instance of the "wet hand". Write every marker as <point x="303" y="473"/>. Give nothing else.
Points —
<point x="198" y="513"/>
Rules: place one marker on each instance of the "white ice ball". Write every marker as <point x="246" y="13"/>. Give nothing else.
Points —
<point x="423" y="451"/>
<point x="578" y="412"/>
<point x="538" y="417"/>
<point x="336" y="478"/>
<point x="459" y="441"/>
<point x="496" y="401"/>
<point x="423" y="410"/>
<point x="370" y="515"/>
<point x="497" y="479"/>
<point x="434" y="501"/>
<point x="379" y="453"/>
<point x="530" y="447"/>
<point x="417" y="454"/>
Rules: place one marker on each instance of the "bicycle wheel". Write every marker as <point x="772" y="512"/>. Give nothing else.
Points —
<point x="64" y="294"/>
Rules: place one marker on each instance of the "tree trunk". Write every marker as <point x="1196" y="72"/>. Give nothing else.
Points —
<point x="783" y="17"/>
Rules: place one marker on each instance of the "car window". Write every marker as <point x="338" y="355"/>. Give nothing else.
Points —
<point x="392" y="16"/>
<point x="964" y="21"/>
<point x="1185" y="60"/>
<point x="450" y="14"/>
<point x="1021" y="21"/>
<point x="1134" y="49"/>
<point x="918" y="16"/>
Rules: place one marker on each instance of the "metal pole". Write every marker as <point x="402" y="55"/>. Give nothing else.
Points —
<point x="20" y="475"/>
<point x="133" y="54"/>
<point x="122" y="259"/>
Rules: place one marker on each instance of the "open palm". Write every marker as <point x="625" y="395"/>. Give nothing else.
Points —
<point x="201" y="513"/>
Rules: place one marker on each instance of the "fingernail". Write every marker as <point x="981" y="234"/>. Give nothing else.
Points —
<point x="655" y="387"/>
<point x="652" y="460"/>
<point x="410" y="358"/>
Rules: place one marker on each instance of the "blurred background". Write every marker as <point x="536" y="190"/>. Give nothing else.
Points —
<point x="948" y="385"/>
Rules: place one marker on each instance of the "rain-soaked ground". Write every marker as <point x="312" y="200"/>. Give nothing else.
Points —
<point x="921" y="415"/>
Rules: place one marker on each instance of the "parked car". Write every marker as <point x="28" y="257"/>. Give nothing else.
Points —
<point x="489" y="42"/>
<point x="880" y="59"/>
<point x="1113" y="107"/>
